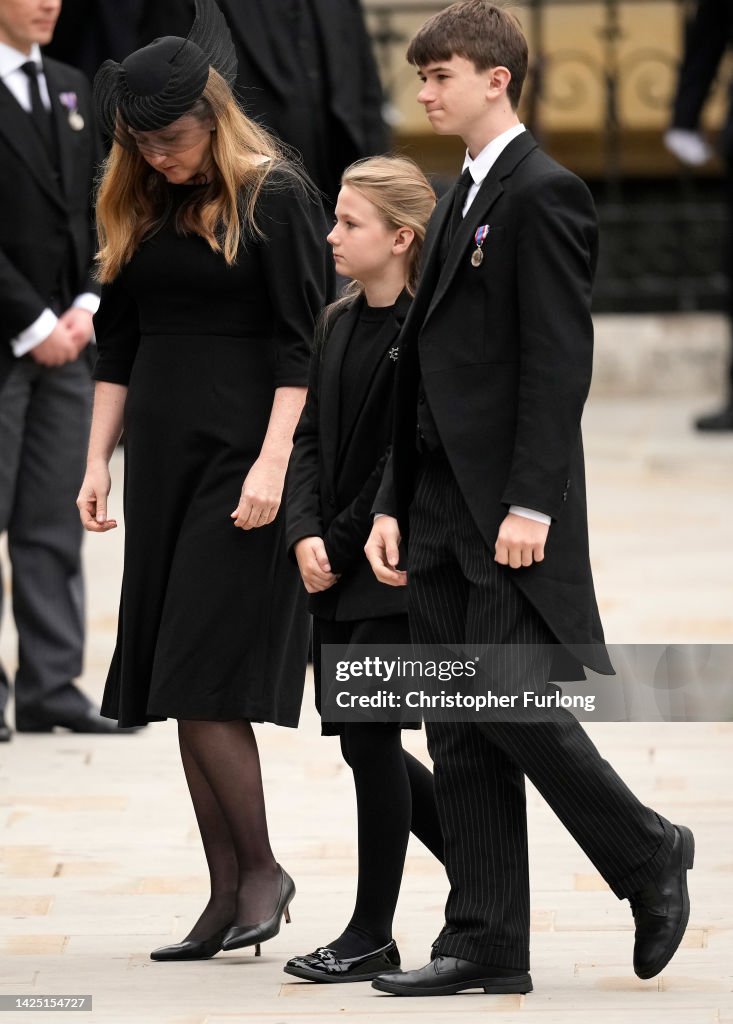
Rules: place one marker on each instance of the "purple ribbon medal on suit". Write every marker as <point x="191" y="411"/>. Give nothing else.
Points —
<point x="477" y="257"/>
<point x="69" y="101"/>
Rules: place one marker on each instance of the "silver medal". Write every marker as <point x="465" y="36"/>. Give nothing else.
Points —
<point x="76" y="121"/>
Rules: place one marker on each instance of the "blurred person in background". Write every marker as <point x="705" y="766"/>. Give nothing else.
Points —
<point x="48" y="156"/>
<point x="89" y="32"/>
<point x="708" y="36"/>
<point x="306" y="71"/>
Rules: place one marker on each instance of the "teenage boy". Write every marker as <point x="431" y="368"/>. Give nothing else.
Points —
<point x="494" y="368"/>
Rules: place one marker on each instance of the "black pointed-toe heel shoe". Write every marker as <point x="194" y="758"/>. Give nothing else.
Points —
<point x="324" y="966"/>
<point x="192" y="950"/>
<point x="240" y="935"/>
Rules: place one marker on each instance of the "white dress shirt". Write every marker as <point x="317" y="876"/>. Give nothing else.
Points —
<point x="11" y="63"/>
<point x="486" y="159"/>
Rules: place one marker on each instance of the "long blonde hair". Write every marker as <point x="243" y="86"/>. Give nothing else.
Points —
<point x="403" y="197"/>
<point x="131" y="199"/>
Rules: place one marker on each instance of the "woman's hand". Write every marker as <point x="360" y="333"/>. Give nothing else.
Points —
<point x="314" y="565"/>
<point x="261" y="493"/>
<point x="92" y="500"/>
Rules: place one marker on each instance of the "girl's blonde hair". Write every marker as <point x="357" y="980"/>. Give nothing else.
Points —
<point x="404" y="198"/>
<point x="132" y="201"/>
<point x="402" y="194"/>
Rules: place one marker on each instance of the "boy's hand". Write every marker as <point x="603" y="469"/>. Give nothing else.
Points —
<point x="520" y="542"/>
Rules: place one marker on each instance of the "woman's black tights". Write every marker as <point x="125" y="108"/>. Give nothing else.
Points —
<point x="394" y="796"/>
<point x="222" y="767"/>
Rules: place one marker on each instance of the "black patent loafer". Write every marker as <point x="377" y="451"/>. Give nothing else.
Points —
<point x="662" y="908"/>
<point x="447" y="976"/>
<point x="324" y="966"/>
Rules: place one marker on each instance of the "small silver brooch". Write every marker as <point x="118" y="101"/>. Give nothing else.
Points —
<point x="394" y="353"/>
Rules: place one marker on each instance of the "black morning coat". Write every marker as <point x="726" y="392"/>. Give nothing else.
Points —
<point x="333" y="479"/>
<point x="47" y="238"/>
<point x="506" y="351"/>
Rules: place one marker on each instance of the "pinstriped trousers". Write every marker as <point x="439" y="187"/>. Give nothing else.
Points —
<point x="458" y="594"/>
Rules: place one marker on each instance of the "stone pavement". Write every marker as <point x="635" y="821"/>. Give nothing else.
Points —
<point x="100" y="860"/>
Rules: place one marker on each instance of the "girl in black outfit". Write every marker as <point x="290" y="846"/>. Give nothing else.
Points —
<point x="214" y="269"/>
<point x="335" y="468"/>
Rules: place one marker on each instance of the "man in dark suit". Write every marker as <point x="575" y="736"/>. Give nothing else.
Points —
<point x="709" y="35"/>
<point x="306" y="71"/>
<point x="48" y="155"/>
<point x="489" y="493"/>
<point x="89" y="32"/>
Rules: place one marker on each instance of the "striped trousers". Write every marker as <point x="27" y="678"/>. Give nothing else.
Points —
<point x="458" y="594"/>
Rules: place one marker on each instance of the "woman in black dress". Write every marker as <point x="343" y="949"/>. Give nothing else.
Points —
<point x="335" y="469"/>
<point x="214" y="269"/>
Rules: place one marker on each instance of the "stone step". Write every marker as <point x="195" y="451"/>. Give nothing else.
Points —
<point x="660" y="354"/>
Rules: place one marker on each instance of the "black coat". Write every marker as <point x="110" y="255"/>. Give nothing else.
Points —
<point x="47" y="239"/>
<point x="273" y="84"/>
<point x="333" y="478"/>
<point x="88" y="32"/>
<point x="506" y="353"/>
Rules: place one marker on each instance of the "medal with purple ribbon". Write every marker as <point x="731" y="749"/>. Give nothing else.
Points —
<point x="69" y="102"/>
<point x="477" y="258"/>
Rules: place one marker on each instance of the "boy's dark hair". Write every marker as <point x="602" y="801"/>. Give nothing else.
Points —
<point x="482" y="32"/>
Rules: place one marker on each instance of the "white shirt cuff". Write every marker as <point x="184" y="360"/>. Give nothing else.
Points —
<point x="88" y="301"/>
<point x="38" y="331"/>
<point x="529" y="513"/>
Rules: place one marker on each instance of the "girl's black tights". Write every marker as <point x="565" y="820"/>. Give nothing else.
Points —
<point x="394" y="796"/>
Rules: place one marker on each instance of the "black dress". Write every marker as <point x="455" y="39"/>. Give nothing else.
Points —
<point x="213" y="623"/>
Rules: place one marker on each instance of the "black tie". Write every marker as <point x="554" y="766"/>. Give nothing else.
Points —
<point x="455" y="216"/>
<point x="463" y="186"/>
<point x="39" y="115"/>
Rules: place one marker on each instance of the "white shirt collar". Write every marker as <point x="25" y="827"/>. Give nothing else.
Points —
<point x="12" y="59"/>
<point x="488" y="156"/>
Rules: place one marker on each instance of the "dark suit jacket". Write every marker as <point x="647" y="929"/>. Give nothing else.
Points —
<point x="270" y="80"/>
<point x="88" y="32"/>
<point x="46" y="225"/>
<point x="333" y="478"/>
<point x="506" y="353"/>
